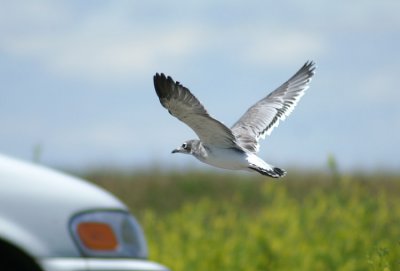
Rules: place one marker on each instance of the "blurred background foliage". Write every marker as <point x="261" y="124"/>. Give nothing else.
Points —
<point x="229" y="221"/>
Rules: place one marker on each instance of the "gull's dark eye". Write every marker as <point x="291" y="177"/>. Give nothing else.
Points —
<point x="184" y="145"/>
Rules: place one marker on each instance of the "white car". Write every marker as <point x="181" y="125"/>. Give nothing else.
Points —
<point x="50" y="221"/>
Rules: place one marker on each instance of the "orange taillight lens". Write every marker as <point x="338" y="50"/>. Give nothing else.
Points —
<point x="97" y="236"/>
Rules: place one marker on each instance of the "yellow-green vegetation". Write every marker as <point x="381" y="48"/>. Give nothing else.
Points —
<point x="306" y="221"/>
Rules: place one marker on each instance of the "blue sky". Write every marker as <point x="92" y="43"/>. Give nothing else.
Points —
<point x="76" y="78"/>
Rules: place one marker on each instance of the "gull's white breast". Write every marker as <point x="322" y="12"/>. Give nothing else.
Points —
<point x="227" y="158"/>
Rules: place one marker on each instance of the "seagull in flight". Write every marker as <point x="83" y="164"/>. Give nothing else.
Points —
<point x="233" y="148"/>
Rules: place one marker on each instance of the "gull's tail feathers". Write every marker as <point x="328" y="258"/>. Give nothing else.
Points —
<point x="273" y="172"/>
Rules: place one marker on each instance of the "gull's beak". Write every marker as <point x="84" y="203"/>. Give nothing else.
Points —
<point x="176" y="150"/>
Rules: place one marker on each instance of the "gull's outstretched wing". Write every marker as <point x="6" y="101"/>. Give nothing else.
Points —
<point x="182" y="104"/>
<point x="260" y="119"/>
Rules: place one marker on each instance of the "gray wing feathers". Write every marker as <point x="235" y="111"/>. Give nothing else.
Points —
<point x="260" y="119"/>
<point x="182" y="104"/>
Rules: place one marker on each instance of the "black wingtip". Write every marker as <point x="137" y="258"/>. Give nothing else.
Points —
<point x="310" y="66"/>
<point x="158" y="78"/>
<point x="163" y="84"/>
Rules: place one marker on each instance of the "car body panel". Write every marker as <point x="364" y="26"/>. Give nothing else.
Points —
<point x="52" y="197"/>
<point x="75" y="264"/>
<point x="36" y="207"/>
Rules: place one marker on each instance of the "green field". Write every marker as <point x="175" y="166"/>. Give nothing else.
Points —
<point x="307" y="221"/>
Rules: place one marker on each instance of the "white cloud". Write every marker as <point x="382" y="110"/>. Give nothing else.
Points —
<point x="116" y="57"/>
<point x="106" y="44"/>
<point x="24" y="15"/>
<point x="100" y="46"/>
<point x="104" y="55"/>
<point x="377" y="89"/>
<point x="282" y="47"/>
